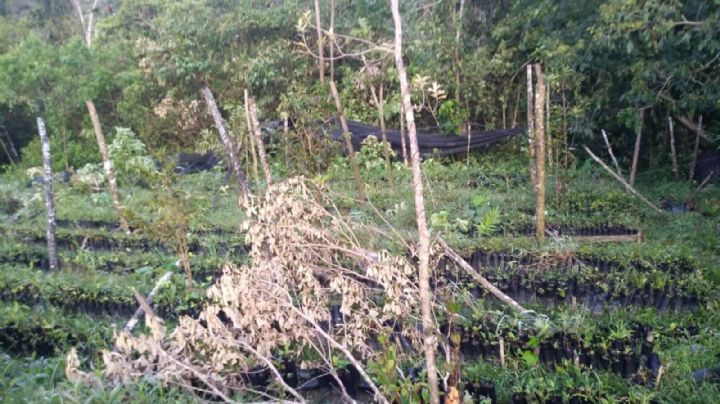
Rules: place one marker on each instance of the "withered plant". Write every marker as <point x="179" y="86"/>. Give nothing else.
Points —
<point x="304" y="258"/>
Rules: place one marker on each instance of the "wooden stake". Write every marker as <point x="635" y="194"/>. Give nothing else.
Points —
<point x="696" y="149"/>
<point x="226" y="141"/>
<point x="320" y="40"/>
<point x="673" y="152"/>
<point x="254" y="127"/>
<point x="49" y="201"/>
<point x="636" y="153"/>
<point x="348" y="143"/>
<point x="501" y="342"/>
<point x="622" y="181"/>
<point x="107" y="165"/>
<point x="540" y="154"/>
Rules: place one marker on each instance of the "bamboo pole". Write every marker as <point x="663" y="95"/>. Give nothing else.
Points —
<point x="49" y="200"/>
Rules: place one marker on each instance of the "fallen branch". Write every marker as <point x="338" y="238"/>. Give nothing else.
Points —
<point x="622" y="181"/>
<point x="705" y="181"/>
<point x="140" y="311"/>
<point x="480" y="279"/>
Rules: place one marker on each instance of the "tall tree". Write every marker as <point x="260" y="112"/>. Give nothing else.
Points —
<point x="429" y="342"/>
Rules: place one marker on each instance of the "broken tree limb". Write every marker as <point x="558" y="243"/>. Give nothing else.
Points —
<point x="140" y="311"/>
<point x="49" y="200"/>
<point x="227" y="142"/>
<point x="107" y="165"/>
<point x="622" y="181"/>
<point x="705" y="181"/>
<point x="12" y="151"/>
<point x="612" y="155"/>
<point x="254" y="127"/>
<point x="480" y="279"/>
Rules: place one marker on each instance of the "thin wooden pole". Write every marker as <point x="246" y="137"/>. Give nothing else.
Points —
<point x="49" y="200"/>
<point x="636" y="153"/>
<point x="320" y="40"/>
<point x="348" y="143"/>
<point x="423" y="250"/>
<point x="696" y="148"/>
<point x="531" y="125"/>
<point x="540" y="154"/>
<point x="673" y="152"/>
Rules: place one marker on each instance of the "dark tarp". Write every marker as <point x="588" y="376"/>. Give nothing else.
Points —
<point x="429" y="143"/>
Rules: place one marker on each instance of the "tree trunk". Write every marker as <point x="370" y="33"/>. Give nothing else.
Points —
<point x="696" y="148"/>
<point x="351" y="151"/>
<point x="49" y="201"/>
<point x="636" y="153"/>
<point x="227" y="142"/>
<point x="673" y="152"/>
<point x="531" y="126"/>
<point x="429" y="341"/>
<point x="321" y="59"/>
<point x="251" y="110"/>
<point x="107" y="164"/>
<point x="540" y="154"/>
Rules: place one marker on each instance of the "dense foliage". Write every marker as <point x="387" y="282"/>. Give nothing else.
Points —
<point x="605" y="61"/>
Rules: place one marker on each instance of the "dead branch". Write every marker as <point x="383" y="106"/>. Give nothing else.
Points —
<point x="480" y="279"/>
<point x="140" y="311"/>
<point x="612" y="155"/>
<point x="622" y="181"/>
